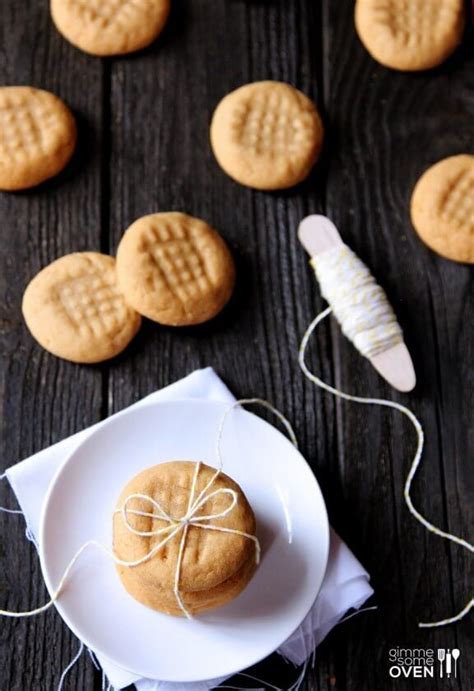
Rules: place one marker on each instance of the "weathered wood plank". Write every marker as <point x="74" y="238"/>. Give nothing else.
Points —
<point x="386" y="128"/>
<point x="42" y="398"/>
<point x="162" y="102"/>
<point x="270" y="312"/>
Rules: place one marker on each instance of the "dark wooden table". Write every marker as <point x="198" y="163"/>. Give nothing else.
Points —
<point x="143" y="147"/>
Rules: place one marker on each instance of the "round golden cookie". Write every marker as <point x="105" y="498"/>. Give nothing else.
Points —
<point x="211" y="557"/>
<point x="37" y="136"/>
<point x="74" y="309"/>
<point x="110" y="27"/>
<point x="442" y="208"/>
<point x="266" y="135"/>
<point x="175" y="269"/>
<point x="195" y="601"/>
<point x="410" y="35"/>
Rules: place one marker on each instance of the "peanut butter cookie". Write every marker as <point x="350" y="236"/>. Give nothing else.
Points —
<point x="175" y="269"/>
<point x="37" y="136"/>
<point x="110" y="27"/>
<point x="266" y="135"/>
<point x="410" y="35"/>
<point x="442" y="208"/>
<point x="74" y="309"/>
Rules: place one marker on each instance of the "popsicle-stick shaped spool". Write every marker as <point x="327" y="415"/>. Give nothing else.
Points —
<point x="318" y="234"/>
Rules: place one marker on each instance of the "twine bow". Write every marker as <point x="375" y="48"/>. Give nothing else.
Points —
<point x="182" y="524"/>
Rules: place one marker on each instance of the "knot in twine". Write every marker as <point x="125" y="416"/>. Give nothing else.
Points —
<point x="182" y="524"/>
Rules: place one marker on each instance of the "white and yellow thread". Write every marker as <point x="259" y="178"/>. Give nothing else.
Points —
<point x="358" y="302"/>
<point x="350" y="289"/>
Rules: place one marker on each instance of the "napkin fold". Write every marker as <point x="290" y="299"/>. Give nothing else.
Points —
<point x="345" y="586"/>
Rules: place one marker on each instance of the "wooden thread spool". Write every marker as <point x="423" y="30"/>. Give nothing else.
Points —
<point x="318" y="235"/>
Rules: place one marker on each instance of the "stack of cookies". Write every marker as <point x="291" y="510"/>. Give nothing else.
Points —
<point x="216" y="566"/>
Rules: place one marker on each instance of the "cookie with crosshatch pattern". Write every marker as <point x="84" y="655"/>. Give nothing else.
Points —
<point x="266" y="135"/>
<point x="175" y="269"/>
<point x="442" y="208"/>
<point x="216" y="566"/>
<point x="110" y="27"/>
<point x="74" y="309"/>
<point x="410" y="35"/>
<point x="37" y="136"/>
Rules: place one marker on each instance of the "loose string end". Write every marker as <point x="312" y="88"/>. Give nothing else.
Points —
<point x="450" y="620"/>
<point x="416" y="459"/>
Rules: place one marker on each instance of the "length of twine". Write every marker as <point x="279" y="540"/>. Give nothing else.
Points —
<point x="416" y="460"/>
<point x="175" y="524"/>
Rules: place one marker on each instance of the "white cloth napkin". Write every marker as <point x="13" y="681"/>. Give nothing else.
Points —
<point x="345" y="585"/>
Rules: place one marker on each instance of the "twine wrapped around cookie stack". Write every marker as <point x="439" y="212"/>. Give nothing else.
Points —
<point x="184" y="538"/>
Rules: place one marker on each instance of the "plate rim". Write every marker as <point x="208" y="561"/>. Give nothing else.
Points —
<point x="110" y="421"/>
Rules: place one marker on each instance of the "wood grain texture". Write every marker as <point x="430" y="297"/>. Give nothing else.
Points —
<point x="144" y="147"/>
<point x="385" y="129"/>
<point x="42" y="398"/>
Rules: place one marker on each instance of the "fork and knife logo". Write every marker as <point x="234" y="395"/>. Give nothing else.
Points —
<point x="446" y="658"/>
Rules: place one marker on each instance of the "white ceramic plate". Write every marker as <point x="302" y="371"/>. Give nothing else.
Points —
<point x="292" y="527"/>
